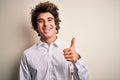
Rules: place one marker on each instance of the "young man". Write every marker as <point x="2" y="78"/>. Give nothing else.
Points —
<point x="51" y="58"/>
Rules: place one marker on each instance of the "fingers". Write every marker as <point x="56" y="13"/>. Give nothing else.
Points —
<point x="67" y="50"/>
<point x="70" y="53"/>
<point x="72" y="43"/>
<point x="69" y="57"/>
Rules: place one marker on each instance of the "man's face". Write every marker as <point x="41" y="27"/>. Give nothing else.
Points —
<point x="46" y="25"/>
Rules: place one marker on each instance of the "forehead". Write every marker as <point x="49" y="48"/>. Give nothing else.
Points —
<point x="45" y="15"/>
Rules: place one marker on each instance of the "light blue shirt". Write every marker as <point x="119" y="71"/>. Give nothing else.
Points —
<point x="43" y="62"/>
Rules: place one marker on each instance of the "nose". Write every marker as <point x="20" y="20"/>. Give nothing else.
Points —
<point x="46" y="23"/>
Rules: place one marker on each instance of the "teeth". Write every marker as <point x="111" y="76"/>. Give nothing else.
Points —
<point x="46" y="30"/>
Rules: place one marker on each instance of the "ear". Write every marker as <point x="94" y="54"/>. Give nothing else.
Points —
<point x="37" y="31"/>
<point x="56" y="30"/>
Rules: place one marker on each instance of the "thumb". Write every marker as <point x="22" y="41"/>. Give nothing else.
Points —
<point x="72" y="43"/>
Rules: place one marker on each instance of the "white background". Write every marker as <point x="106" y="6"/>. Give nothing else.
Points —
<point x="94" y="23"/>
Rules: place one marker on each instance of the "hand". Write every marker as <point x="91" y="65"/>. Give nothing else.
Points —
<point x="70" y="54"/>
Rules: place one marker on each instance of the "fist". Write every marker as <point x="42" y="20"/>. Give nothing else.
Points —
<point x="70" y="54"/>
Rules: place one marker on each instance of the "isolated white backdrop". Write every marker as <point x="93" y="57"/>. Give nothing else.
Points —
<point x="94" y="23"/>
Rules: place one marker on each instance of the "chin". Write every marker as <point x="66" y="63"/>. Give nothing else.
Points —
<point x="47" y="36"/>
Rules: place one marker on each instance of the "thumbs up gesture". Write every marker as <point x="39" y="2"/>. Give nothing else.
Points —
<point x="70" y="54"/>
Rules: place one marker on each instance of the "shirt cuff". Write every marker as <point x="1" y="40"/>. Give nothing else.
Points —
<point x="79" y="63"/>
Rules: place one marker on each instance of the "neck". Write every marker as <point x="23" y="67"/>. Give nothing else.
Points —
<point x="48" y="40"/>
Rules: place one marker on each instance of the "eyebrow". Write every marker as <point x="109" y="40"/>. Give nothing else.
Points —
<point x="47" y="18"/>
<point x="50" y="18"/>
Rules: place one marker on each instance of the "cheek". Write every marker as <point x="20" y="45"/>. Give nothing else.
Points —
<point x="39" y="26"/>
<point x="54" y="26"/>
<point x="39" y="29"/>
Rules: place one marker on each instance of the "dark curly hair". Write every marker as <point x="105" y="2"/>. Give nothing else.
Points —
<point x="45" y="7"/>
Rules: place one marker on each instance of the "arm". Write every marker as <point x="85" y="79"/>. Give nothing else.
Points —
<point x="24" y="73"/>
<point x="71" y="54"/>
<point x="82" y="70"/>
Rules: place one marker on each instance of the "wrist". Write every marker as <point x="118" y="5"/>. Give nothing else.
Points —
<point x="79" y="57"/>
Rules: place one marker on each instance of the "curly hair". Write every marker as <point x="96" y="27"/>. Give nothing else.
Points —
<point x="45" y="7"/>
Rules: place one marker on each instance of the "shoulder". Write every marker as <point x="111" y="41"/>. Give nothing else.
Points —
<point x="30" y="50"/>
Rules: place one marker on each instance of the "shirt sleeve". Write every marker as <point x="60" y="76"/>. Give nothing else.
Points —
<point x="24" y="73"/>
<point x="82" y="70"/>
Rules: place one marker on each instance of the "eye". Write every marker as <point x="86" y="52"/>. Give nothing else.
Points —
<point x="50" y="19"/>
<point x="40" y="20"/>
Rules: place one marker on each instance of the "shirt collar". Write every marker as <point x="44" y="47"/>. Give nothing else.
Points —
<point x="55" y="43"/>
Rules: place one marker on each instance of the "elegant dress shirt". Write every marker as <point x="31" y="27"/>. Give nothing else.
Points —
<point x="47" y="62"/>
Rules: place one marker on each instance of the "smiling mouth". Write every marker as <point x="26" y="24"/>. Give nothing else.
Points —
<point x="46" y="30"/>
